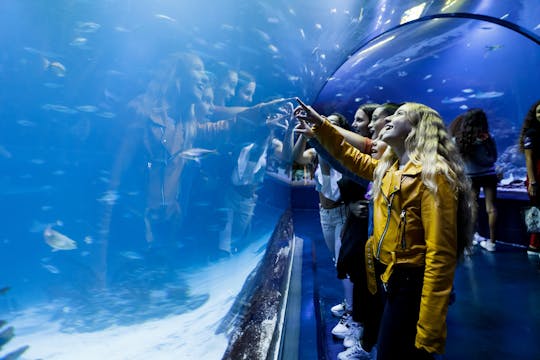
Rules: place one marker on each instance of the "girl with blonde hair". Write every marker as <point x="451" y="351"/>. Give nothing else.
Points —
<point x="423" y="220"/>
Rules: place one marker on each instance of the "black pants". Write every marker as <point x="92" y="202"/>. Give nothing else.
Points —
<point x="397" y="307"/>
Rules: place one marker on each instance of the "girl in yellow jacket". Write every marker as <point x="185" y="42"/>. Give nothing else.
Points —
<point x="423" y="217"/>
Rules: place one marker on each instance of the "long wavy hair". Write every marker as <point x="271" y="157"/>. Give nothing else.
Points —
<point x="530" y="122"/>
<point x="473" y="125"/>
<point x="429" y="145"/>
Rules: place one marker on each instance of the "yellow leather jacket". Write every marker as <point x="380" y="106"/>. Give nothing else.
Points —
<point x="413" y="227"/>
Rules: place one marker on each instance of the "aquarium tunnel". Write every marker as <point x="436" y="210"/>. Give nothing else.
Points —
<point x="151" y="205"/>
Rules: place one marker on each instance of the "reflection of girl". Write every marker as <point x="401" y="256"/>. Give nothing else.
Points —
<point x="170" y="128"/>
<point x="479" y="152"/>
<point x="529" y="144"/>
<point x="423" y="210"/>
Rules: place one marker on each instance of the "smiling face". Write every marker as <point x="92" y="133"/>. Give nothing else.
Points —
<point x="377" y="120"/>
<point x="397" y="128"/>
<point x="361" y="123"/>
<point x="205" y="108"/>
<point x="226" y="88"/>
<point x="193" y="79"/>
<point x="244" y="94"/>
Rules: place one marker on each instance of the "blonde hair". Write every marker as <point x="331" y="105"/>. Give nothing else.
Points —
<point x="429" y="144"/>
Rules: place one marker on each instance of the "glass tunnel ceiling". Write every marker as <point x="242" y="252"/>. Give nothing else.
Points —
<point x="63" y="142"/>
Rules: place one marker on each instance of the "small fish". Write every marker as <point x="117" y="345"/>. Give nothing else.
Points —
<point x="88" y="239"/>
<point x="273" y="48"/>
<point x="164" y="17"/>
<point x="87" y="27"/>
<point x="487" y="94"/>
<point x="197" y="154"/>
<point x="54" y="66"/>
<point x="467" y="91"/>
<point x="87" y="108"/>
<point x="455" y="99"/>
<point x="58" y="241"/>
<point x="132" y="255"/>
<point x="59" y="108"/>
<point x="109" y="197"/>
<point x="428" y="76"/>
<point x="51" y="268"/>
<point x="79" y="42"/>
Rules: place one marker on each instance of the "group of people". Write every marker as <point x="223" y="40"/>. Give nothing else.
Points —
<point x="206" y="148"/>
<point x="398" y="197"/>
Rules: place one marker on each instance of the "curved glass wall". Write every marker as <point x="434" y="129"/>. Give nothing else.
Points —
<point x="140" y="196"/>
<point x="451" y="64"/>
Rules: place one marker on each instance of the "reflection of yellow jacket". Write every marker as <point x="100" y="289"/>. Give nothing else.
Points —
<point x="413" y="227"/>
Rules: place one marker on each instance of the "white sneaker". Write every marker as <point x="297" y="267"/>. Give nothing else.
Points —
<point x="488" y="245"/>
<point x="354" y="352"/>
<point x="342" y="327"/>
<point x="340" y="309"/>
<point x="355" y="332"/>
<point x="477" y="238"/>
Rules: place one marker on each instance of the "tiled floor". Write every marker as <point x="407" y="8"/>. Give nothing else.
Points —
<point x="496" y="314"/>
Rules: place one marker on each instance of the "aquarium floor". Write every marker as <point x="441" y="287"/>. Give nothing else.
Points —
<point x="496" y="314"/>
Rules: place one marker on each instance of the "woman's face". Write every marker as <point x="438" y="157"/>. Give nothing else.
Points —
<point x="360" y="124"/>
<point x="377" y="148"/>
<point x="195" y="80"/>
<point x="205" y="107"/>
<point x="398" y="127"/>
<point x="377" y="120"/>
<point x="244" y="94"/>
<point x="226" y="89"/>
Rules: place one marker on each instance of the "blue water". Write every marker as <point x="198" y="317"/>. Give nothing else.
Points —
<point x="74" y="156"/>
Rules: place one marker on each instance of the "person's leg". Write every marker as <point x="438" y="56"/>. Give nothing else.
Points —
<point x="339" y="216"/>
<point x="490" y="193"/>
<point x="398" y="323"/>
<point x="328" y="230"/>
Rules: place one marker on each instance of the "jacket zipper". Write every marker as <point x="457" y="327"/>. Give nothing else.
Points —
<point x="389" y="206"/>
<point x="403" y="224"/>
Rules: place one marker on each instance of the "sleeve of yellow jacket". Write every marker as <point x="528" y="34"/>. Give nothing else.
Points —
<point x="439" y="218"/>
<point x="350" y="157"/>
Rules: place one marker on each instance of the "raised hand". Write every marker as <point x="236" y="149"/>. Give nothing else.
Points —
<point x="307" y="114"/>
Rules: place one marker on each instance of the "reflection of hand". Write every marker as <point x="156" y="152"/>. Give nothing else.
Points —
<point x="305" y="130"/>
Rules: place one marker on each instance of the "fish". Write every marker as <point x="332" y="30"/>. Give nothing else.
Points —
<point x="196" y="154"/>
<point x="87" y="27"/>
<point x="132" y="255"/>
<point x="87" y="108"/>
<point x="109" y="197"/>
<point x="455" y="99"/>
<point x="487" y="94"/>
<point x="58" y="241"/>
<point x="164" y="17"/>
<point x="54" y="66"/>
<point x="51" y="268"/>
<point x="79" y="41"/>
<point x="59" y="108"/>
